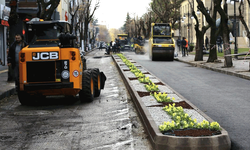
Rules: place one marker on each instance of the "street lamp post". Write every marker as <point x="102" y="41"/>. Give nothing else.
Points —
<point x="184" y="17"/>
<point x="188" y="27"/>
<point x="179" y="27"/>
<point x="233" y="2"/>
<point x="235" y="36"/>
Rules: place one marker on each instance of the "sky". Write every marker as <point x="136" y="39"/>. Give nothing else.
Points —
<point x="113" y="13"/>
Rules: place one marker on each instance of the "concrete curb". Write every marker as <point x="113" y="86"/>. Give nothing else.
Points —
<point x="7" y="93"/>
<point x="160" y="141"/>
<point x="215" y="69"/>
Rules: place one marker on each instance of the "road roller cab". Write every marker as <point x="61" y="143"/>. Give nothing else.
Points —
<point x="161" y="42"/>
<point x="52" y="65"/>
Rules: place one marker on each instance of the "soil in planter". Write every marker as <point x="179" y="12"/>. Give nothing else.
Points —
<point x="142" y="94"/>
<point x="193" y="132"/>
<point x="126" y="69"/>
<point x="133" y="78"/>
<point x="158" y="83"/>
<point x="183" y="104"/>
<point x="146" y="73"/>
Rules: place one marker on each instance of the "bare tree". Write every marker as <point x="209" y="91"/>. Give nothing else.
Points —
<point x="147" y="24"/>
<point x="199" y="35"/>
<point x="104" y="34"/>
<point x="225" y="32"/>
<point x="46" y="8"/>
<point x="87" y="18"/>
<point x="243" y="20"/>
<point x="211" y="20"/>
<point x="167" y="10"/>
<point x="73" y="8"/>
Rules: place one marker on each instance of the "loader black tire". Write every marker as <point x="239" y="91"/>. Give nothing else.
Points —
<point x="97" y="81"/>
<point x="87" y="93"/>
<point x="24" y="98"/>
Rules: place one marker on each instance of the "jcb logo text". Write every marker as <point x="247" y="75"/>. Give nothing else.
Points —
<point x="44" y="55"/>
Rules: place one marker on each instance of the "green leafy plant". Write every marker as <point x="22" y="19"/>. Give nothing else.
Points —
<point x="183" y="121"/>
<point x="134" y="69"/>
<point x="163" y="97"/>
<point x="144" y="80"/>
<point x="139" y="74"/>
<point x="151" y="87"/>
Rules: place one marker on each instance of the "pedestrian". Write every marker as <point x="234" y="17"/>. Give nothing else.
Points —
<point x="110" y="47"/>
<point x="206" y="43"/>
<point x="187" y="49"/>
<point x="13" y="56"/>
<point x="183" y="44"/>
<point x="113" y="47"/>
<point x="118" y="46"/>
<point x="178" y="43"/>
<point x="219" y="42"/>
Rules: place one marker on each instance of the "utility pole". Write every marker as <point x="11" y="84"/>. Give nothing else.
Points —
<point x="235" y="34"/>
<point x="188" y="27"/>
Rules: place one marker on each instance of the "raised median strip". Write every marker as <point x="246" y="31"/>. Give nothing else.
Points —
<point x="152" y="114"/>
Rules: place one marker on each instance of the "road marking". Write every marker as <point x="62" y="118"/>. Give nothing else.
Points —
<point x="3" y="71"/>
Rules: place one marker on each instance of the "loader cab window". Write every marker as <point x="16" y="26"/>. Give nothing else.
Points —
<point x="46" y="32"/>
<point x="43" y="35"/>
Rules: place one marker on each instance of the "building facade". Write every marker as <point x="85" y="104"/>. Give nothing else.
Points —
<point x="188" y="23"/>
<point x="4" y="16"/>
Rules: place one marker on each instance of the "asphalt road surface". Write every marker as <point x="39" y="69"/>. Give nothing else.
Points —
<point x="109" y="122"/>
<point x="224" y="98"/>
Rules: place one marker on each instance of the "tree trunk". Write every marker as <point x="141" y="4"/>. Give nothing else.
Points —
<point x="227" y="50"/>
<point x="199" y="46"/>
<point x="212" y="47"/>
<point x="81" y="34"/>
<point x="85" y="37"/>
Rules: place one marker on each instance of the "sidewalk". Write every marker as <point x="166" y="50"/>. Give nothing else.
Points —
<point x="6" y="88"/>
<point x="240" y="67"/>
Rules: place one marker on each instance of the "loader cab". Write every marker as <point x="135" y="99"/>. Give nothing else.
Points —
<point x="46" y="33"/>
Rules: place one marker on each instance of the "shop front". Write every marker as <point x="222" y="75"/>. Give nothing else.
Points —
<point x="4" y="16"/>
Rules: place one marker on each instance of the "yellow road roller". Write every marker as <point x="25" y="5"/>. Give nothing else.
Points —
<point x="161" y="42"/>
